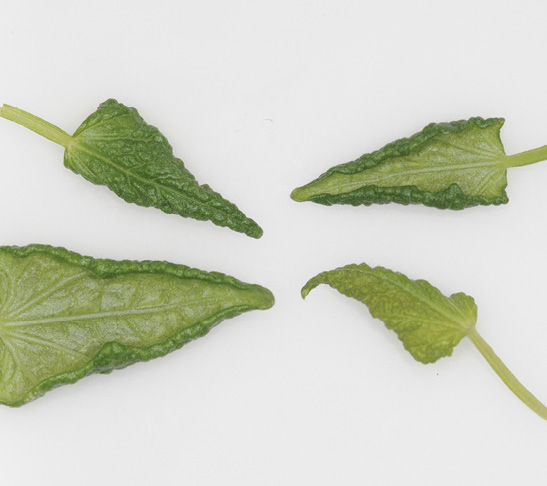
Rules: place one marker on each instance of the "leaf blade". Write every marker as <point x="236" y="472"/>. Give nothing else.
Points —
<point x="429" y="324"/>
<point x="115" y="147"/>
<point x="446" y="165"/>
<point x="113" y="314"/>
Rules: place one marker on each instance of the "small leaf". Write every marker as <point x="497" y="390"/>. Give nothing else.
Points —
<point x="115" y="147"/>
<point x="447" y="165"/>
<point x="428" y="323"/>
<point x="64" y="316"/>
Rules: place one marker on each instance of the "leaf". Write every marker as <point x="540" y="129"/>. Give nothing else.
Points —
<point x="115" y="147"/>
<point x="64" y="316"/>
<point x="447" y="165"/>
<point x="428" y="323"/>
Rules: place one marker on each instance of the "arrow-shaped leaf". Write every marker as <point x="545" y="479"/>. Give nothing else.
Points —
<point x="64" y="316"/>
<point x="115" y="147"/>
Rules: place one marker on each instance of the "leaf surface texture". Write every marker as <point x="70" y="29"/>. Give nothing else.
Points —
<point x="63" y="316"/>
<point x="115" y="147"/>
<point x="447" y="165"/>
<point x="428" y="323"/>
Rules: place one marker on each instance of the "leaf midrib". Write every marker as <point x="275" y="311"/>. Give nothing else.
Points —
<point x="356" y="180"/>
<point x="93" y="315"/>
<point x="149" y="181"/>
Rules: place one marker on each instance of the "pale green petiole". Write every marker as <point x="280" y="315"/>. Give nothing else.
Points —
<point x="36" y="124"/>
<point x="507" y="377"/>
<point x="526" y="158"/>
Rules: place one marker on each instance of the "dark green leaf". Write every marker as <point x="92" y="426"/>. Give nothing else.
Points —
<point x="115" y="147"/>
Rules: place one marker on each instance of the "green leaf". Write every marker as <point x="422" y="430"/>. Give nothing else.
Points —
<point x="447" y="165"/>
<point x="115" y="147"/>
<point x="64" y="316"/>
<point x="428" y="323"/>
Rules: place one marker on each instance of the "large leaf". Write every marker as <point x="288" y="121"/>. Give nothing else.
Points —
<point x="64" y="316"/>
<point x="447" y="165"/>
<point x="428" y="323"/>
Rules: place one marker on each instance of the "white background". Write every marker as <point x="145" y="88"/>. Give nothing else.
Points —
<point x="259" y="97"/>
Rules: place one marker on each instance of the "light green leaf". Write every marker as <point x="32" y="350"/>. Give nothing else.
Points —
<point x="446" y="165"/>
<point x="64" y="316"/>
<point x="428" y="323"/>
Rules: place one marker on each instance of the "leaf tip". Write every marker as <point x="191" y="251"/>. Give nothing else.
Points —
<point x="268" y="300"/>
<point x="248" y="227"/>
<point x="255" y="232"/>
<point x="310" y="285"/>
<point x="298" y="195"/>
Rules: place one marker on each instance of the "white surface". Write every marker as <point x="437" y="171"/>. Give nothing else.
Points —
<point x="258" y="98"/>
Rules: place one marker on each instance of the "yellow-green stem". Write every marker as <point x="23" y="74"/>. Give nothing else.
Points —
<point x="507" y="377"/>
<point x="41" y="127"/>
<point x="526" y="158"/>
